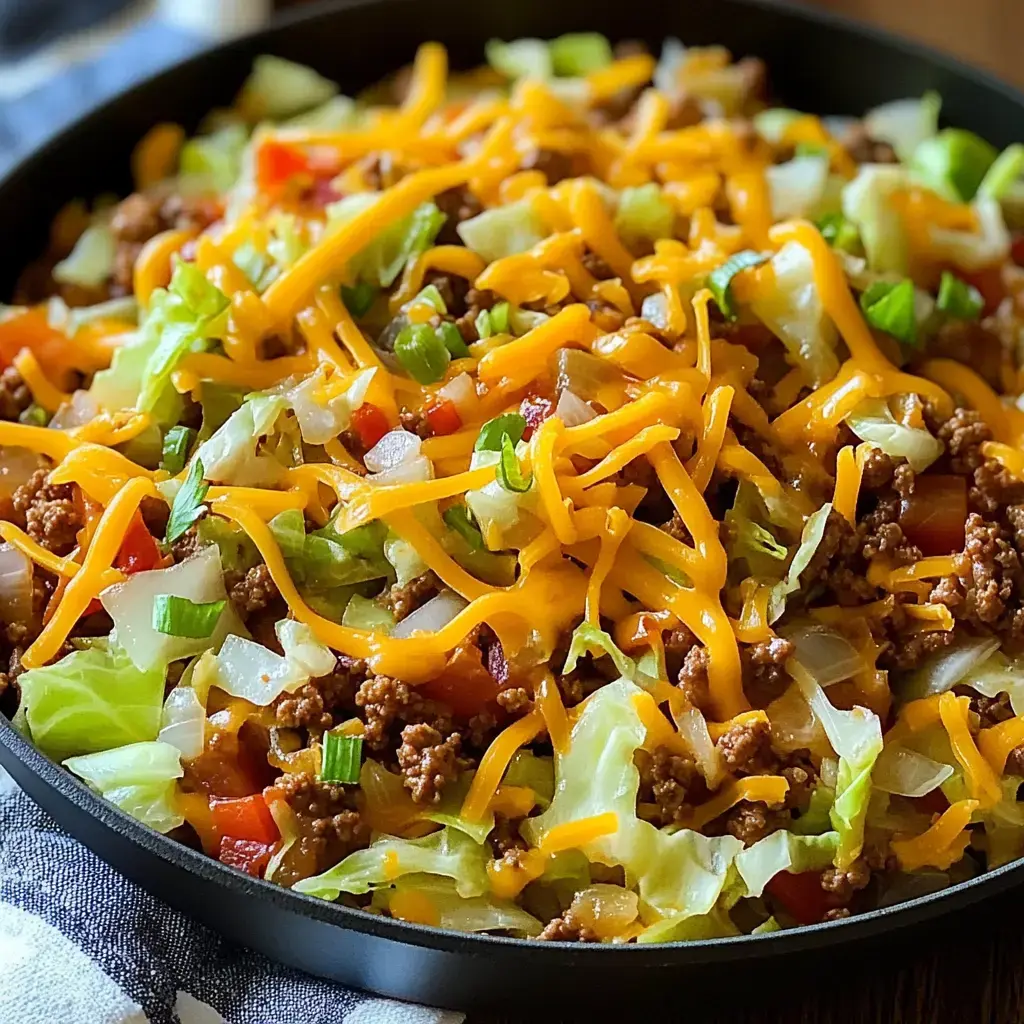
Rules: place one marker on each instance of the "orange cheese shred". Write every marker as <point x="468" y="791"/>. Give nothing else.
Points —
<point x="495" y="761"/>
<point x="942" y="845"/>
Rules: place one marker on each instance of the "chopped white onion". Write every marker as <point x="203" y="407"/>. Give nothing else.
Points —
<point x="796" y="187"/>
<point x="904" y="124"/>
<point x="412" y="472"/>
<point x="908" y="773"/>
<point x="16" y="466"/>
<point x="15" y="585"/>
<point x="319" y="422"/>
<point x="183" y="721"/>
<point x="694" y="730"/>
<point x="431" y="617"/>
<point x="461" y="392"/>
<point x="81" y="409"/>
<point x="572" y="410"/>
<point x="944" y="669"/>
<point x="130" y="605"/>
<point x="303" y="649"/>
<point x="251" y="671"/>
<point x="825" y="654"/>
<point x="654" y="309"/>
<point x="393" y="449"/>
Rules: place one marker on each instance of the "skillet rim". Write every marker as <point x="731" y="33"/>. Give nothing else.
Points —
<point x="700" y="951"/>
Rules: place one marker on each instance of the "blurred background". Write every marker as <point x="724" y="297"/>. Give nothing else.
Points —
<point x="60" y="57"/>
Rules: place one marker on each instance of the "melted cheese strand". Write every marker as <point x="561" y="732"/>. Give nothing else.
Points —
<point x="942" y="845"/>
<point x="495" y="761"/>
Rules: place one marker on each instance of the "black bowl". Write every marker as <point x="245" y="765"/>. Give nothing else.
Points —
<point x="817" y="63"/>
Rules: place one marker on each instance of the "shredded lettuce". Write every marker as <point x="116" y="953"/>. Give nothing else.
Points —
<point x="448" y="853"/>
<point x="867" y="203"/>
<point x="337" y="114"/>
<point x="796" y="188"/>
<point x="905" y="124"/>
<point x="521" y="58"/>
<point x="794" y="312"/>
<point x="383" y="259"/>
<point x="91" y="700"/>
<point x="213" y="162"/>
<point x="953" y="163"/>
<point x="644" y="213"/>
<point x="404" y="558"/>
<point x="503" y="230"/>
<point x="588" y="639"/>
<point x="139" y="778"/>
<point x="364" y="613"/>
<point x="91" y="261"/>
<point x="783" y="851"/>
<point x="772" y="124"/>
<point x="810" y="538"/>
<point x="278" y="88"/>
<point x="872" y="420"/>
<point x="750" y="540"/>
<point x="974" y="250"/>
<point x="230" y="455"/>
<point x="679" y="875"/>
<point x="237" y="552"/>
<point x="579" y="53"/>
<point x="534" y="772"/>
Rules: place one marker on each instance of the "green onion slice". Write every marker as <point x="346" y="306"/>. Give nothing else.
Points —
<point x="719" y="281"/>
<point x="359" y="298"/>
<point x="342" y="757"/>
<point x="433" y="298"/>
<point x="509" y="473"/>
<point x="459" y="520"/>
<point x="839" y="232"/>
<point x="178" y="616"/>
<point x="999" y="178"/>
<point x="451" y="338"/>
<point x="422" y="353"/>
<point x="512" y="424"/>
<point x="890" y="308"/>
<point x="958" y="298"/>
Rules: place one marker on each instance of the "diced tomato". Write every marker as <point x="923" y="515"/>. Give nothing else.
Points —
<point x="246" y="817"/>
<point x="55" y="354"/>
<point x="465" y="685"/>
<point x="1017" y="249"/>
<point x="277" y="163"/>
<point x="535" y="410"/>
<point x="245" y="854"/>
<point x="801" y="895"/>
<point x="933" y="516"/>
<point x="139" y="551"/>
<point x="444" y="418"/>
<point x="934" y="802"/>
<point x="370" y="424"/>
<point x="989" y="282"/>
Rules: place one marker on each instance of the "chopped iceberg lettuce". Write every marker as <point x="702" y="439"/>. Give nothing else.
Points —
<point x="91" y="261"/>
<point x="868" y="203"/>
<point x="783" y="851"/>
<point x="872" y="420"/>
<point x="278" y="88"/>
<point x="230" y="455"/>
<point x="810" y="538"/>
<point x="905" y="124"/>
<point x="503" y="230"/>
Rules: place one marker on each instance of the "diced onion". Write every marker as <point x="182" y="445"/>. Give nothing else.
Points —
<point x="654" y="309"/>
<point x="694" y="730"/>
<point x="414" y="471"/>
<point x="608" y="910"/>
<point x="461" y="392"/>
<point x="944" y="669"/>
<point x="431" y="617"/>
<point x="908" y="773"/>
<point x="15" y="585"/>
<point x="16" y="466"/>
<point x="572" y="410"/>
<point x="827" y="655"/>
<point x="81" y="409"/>
<point x="796" y="187"/>
<point x="393" y="449"/>
<point x="303" y="649"/>
<point x="183" y="721"/>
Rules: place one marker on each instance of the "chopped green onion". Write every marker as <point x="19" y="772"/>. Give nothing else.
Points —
<point x="1000" y="177"/>
<point x="178" y="616"/>
<point x="188" y="502"/>
<point x="579" y="53"/>
<point x="509" y="473"/>
<point x="359" y="298"/>
<point x="953" y="163"/>
<point x="342" y="757"/>
<point x="491" y="433"/>
<point x="459" y="520"/>
<point x="719" y="281"/>
<point x="811" y="149"/>
<point x="839" y="232"/>
<point x="890" y="308"/>
<point x="35" y="416"/>
<point x="422" y="353"/>
<point x="177" y="442"/>
<point x="958" y="298"/>
<point x="432" y="297"/>
<point x="452" y="339"/>
<point x="499" y="316"/>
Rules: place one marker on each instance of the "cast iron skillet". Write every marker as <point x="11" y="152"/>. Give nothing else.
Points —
<point x="816" y="63"/>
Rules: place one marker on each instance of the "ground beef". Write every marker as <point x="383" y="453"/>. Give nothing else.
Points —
<point x="567" y="929"/>
<point x="750" y="822"/>
<point x="49" y="512"/>
<point x="597" y="266"/>
<point x="864" y="149"/>
<point x="555" y="166"/>
<point x="505" y="840"/>
<point x="666" y="780"/>
<point x="477" y="300"/>
<point x="427" y="761"/>
<point x="994" y="487"/>
<point x="1015" y="761"/>
<point x="186" y="545"/>
<point x="747" y="749"/>
<point x="693" y="678"/>
<point x="254" y="592"/>
<point x="990" y="710"/>
<point x="907" y="649"/>
<point x="403" y="600"/>
<point x="970" y="343"/>
<point x="318" y="704"/>
<point x="457" y="204"/>
<point x="677" y="642"/>
<point x="843" y="883"/>
<point x="963" y="434"/>
<point x="385" y="700"/>
<point x="878" y="470"/>
<point x="453" y="289"/>
<point x="514" y="699"/>
<point x="764" y="669"/>
<point x="137" y="218"/>
<point x="15" y="396"/>
<point x="798" y="770"/>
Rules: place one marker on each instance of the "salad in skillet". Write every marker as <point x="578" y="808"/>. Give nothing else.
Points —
<point x="571" y="499"/>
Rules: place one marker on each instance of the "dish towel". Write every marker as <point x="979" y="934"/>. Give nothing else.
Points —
<point x="78" y="943"/>
<point x="81" y="945"/>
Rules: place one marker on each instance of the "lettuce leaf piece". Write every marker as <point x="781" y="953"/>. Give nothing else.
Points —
<point x="856" y="737"/>
<point x="868" y="203"/>
<point x="91" y="700"/>
<point x="503" y="230"/>
<point x="449" y="810"/>
<point x="816" y="819"/>
<point x="794" y="313"/>
<point x="905" y="124"/>
<point x="521" y="58"/>
<point x="679" y="875"/>
<point x="588" y="639"/>
<point x="383" y="260"/>
<point x="326" y="558"/>
<point x="365" y="613"/>
<point x="230" y="455"/>
<point x="91" y="261"/>
<point x="783" y="851"/>
<point x="644" y="213"/>
<point x="337" y="114"/>
<point x="872" y="420"/>
<point x="797" y="187"/>
<point x="277" y="88"/>
<point x="213" y="162"/>
<point x="748" y="539"/>
<point x="537" y="773"/>
<point x="237" y="552"/>
<point x="461" y="913"/>
<point x="448" y="853"/>
<point x="974" y="250"/>
<point x="810" y="538"/>
<point x="139" y="778"/>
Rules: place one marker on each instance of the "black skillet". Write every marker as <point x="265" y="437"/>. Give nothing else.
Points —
<point x="816" y="63"/>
